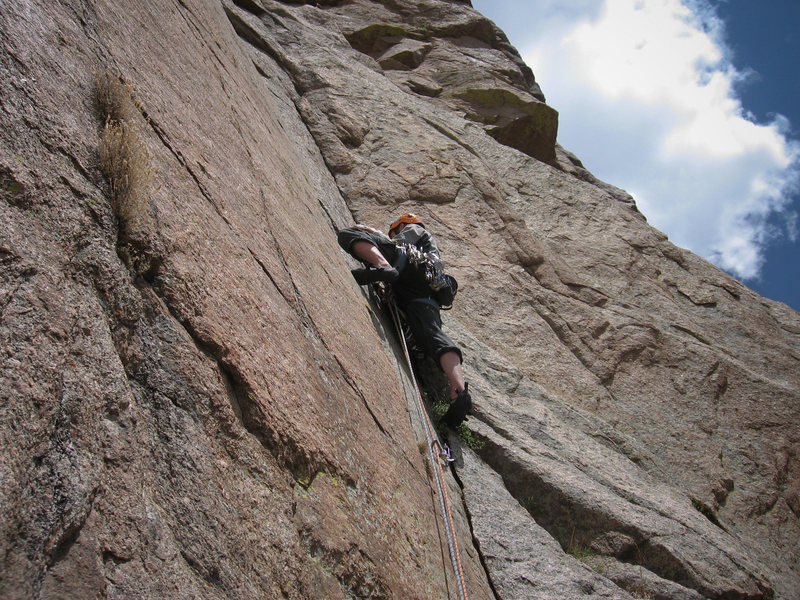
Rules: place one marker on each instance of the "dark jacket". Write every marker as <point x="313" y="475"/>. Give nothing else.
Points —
<point x="412" y="284"/>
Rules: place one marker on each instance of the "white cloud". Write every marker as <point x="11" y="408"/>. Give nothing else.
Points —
<point x="646" y="96"/>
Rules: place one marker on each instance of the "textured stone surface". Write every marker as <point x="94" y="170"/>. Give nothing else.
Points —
<point x="198" y="401"/>
<point x="207" y="428"/>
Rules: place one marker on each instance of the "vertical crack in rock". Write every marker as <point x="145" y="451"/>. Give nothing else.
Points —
<point x="475" y="540"/>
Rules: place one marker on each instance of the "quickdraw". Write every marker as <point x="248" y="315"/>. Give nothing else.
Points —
<point x="446" y="454"/>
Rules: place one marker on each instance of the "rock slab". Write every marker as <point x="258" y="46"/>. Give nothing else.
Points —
<point x="198" y="401"/>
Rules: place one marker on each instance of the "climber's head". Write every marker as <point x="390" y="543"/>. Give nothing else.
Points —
<point x="404" y="220"/>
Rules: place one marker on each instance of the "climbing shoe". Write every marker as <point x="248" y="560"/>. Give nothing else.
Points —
<point x="373" y="274"/>
<point x="459" y="408"/>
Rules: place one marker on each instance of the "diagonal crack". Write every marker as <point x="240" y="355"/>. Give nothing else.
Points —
<point x="475" y="541"/>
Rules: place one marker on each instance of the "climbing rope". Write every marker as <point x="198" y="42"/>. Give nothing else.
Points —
<point x="441" y="485"/>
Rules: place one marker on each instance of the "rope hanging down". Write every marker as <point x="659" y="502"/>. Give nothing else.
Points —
<point x="441" y="485"/>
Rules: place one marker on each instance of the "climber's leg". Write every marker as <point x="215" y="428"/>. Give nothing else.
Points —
<point x="450" y="362"/>
<point x="369" y="252"/>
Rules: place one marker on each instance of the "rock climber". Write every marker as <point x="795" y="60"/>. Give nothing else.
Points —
<point x="406" y="259"/>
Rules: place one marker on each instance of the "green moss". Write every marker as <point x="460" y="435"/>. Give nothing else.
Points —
<point x="469" y="438"/>
<point x="580" y="552"/>
<point x="438" y="409"/>
<point x="529" y="504"/>
<point x="707" y="512"/>
<point x="14" y="188"/>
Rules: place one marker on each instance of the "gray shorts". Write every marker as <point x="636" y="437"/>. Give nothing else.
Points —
<point x="425" y="321"/>
<point x="348" y="237"/>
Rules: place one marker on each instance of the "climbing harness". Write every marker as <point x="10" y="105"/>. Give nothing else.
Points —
<point x="444" y="452"/>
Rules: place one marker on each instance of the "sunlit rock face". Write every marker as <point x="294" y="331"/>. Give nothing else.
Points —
<point x="199" y="401"/>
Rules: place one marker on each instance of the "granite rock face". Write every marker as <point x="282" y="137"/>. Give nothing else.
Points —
<point x="199" y="401"/>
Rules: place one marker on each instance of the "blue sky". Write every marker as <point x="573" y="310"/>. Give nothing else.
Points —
<point x="692" y="106"/>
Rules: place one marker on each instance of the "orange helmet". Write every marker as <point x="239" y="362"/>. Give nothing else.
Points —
<point x="406" y="218"/>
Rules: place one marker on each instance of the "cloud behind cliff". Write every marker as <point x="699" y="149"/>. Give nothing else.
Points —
<point x="647" y="96"/>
